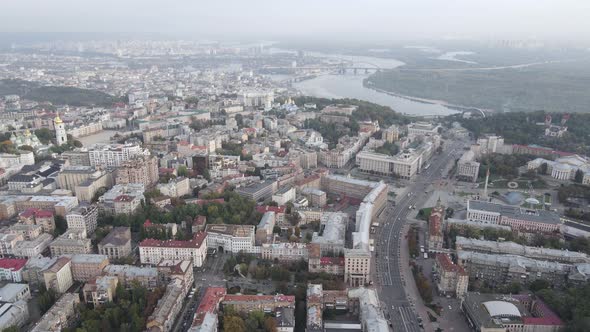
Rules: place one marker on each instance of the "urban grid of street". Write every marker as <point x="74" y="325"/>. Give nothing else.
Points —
<point x="398" y="291"/>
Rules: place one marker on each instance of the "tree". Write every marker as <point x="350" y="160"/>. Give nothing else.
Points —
<point x="233" y="324"/>
<point x="182" y="171"/>
<point x="579" y="176"/>
<point x="270" y="324"/>
<point x="60" y="225"/>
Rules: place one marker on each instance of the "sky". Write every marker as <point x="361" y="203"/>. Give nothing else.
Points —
<point x="386" y="20"/>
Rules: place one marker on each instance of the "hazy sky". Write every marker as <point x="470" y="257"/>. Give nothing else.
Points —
<point x="355" y="19"/>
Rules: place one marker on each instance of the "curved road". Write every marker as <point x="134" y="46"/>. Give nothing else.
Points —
<point x="397" y="295"/>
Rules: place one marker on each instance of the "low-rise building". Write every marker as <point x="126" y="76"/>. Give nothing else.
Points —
<point x="117" y="244"/>
<point x="265" y="303"/>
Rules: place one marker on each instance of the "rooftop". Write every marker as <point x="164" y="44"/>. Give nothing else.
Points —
<point x="232" y="230"/>
<point x="195" y="242"/>
<point x="515" y="212"/>
<point x="13" y="264"/>
<point x="117" y="236"/>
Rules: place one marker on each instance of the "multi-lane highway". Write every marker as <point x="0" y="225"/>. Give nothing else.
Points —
<point x="391" y="255"/>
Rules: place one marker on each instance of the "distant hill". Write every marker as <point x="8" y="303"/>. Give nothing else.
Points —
<point x="57" y="95"/>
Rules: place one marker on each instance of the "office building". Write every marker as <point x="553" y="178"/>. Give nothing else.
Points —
<point x="258" y="191"/>
<point x="357" y="267"/>
<point x="231" y="238"/>
<point x="284" y="251"/>
<point x="468" y="167"/>
<point x="517" y="218"/>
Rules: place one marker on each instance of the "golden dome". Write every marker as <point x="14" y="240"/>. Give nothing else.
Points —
<point x="27" y="132"/>
<point x="57" y="119"/>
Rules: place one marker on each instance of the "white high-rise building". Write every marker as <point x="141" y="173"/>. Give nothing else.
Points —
<point x="60" y="131"/>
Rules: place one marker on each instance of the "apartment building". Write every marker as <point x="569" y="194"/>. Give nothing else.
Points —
<point x="32" y="273"/>
<point x="59" y="275"/>
<point x="265" y="303"/>
<point x="391" y="134"/>
<point x="11" y="269"/>
<point x="122" y="199"/>
<point x="14" y="314"/>
<point x="44" y="218"/>
<point x="451" y="278"/>
<point x="175" y="187"/>
<point x="73" y="241"/>
<point x="512" y="248"/>
<point x="33" y="248"/>
<point x="28" y="232"/>
<point x="117" y="244"/>
<point x="231" y="238"/>
<point x="139" y="169"/>
<point x="88" y="266"/>
<point x="100" y="290"/>
<point x="111" y="154"/>
<point x="128" y="274"/>
<point x="152" y="251"/>
<point x="83" y="217"/>
<point x="60" y="316"/>
<point x="8" y="242"/>
<point x="265" y="228"/>
<point x="164" y="315"/>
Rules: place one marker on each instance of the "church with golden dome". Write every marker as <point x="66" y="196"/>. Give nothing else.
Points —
<point x="25" y="138"/>
<point x="61" y="136"/>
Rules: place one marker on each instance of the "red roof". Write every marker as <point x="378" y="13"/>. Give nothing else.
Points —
<point x="44" y="214"/>
<point x="269" y="208"/>
<point x="260" y="298"/>
<point x="207" y="201"/>
<point x="183" y="143"/>
<point x="444" y="261"/>
<point x="147" y="223"/>
<point x="200" y="220"/>
<point x="213" y="296"/>
<point x="123" y="198"/>
<point x="332" y="261"/>
<point x="30" y="212"/>
<point x="195" y="242"/>
<point x="13" y="264"/>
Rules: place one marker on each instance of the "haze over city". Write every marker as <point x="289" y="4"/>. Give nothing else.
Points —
<point x="381" y="20"/>
<point x="294" y="166"/>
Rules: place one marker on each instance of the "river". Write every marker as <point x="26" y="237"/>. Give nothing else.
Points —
<point x="351" y="86"/>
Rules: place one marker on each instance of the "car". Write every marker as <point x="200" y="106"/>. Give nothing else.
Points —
<point x="450" y="308"/>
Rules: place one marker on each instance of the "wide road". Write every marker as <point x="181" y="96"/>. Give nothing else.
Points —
<point x="392" y="257"/>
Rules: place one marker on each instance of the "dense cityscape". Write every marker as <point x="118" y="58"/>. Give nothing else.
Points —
<point x="166" y="184"/>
